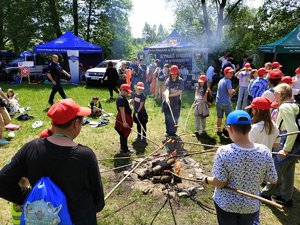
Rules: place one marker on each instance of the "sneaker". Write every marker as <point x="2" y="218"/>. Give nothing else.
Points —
<point x="225" y="132"/>
<point x="3" y="141"/>
<point x="130" y="150"/>
<point x="166" y="135"/>
<point x="204" y="132"/>
<point x="219" y="133"/>
<point x="266" y="196"/>
<point x="138" y="138"/>
<point x="144" y="140"/>
<point x="281" y="201"/>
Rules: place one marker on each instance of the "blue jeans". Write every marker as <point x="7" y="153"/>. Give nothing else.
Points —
<point x="175" y="107"/>
<point x="243" y="96"/>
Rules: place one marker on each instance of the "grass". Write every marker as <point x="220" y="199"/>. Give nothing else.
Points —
<point x="127" y="206"/>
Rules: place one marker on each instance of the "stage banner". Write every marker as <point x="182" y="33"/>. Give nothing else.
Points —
<point x="73" y="58"/>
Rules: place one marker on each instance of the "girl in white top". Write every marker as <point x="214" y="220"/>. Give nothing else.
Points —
<point x="263" y="129"/>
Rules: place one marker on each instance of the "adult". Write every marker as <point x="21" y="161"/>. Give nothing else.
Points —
<point x="244" y="79"/>
<point x="160" y="83"/>
<point x="142" y="70"/>
<point x="210" y="72"/>
<point x="183" y="71"/>
<point x="71" y="166"/>
<point x="112" y="78"/>
<point x="134" y="73"/>
<point x="282" y="191"/>
<point x="122" y="73"/>
<point x="54" y="74"/>
<point x="172" y="104"/>
<point x="4" y="117"/>
<point x="157" y="71"/>
<point x="260" y="85"/>
<point x="223" y="99"/>
<point x="150" y="71"/>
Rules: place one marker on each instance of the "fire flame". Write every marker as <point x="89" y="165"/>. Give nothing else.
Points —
<point x="177" y="167"/>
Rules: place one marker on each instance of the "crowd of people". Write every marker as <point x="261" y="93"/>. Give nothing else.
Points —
<point x="265" y="94"/>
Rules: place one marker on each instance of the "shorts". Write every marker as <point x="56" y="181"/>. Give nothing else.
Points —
<point x="221" y="109"/>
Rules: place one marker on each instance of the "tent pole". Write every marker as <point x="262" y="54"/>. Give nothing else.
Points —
<point x="274" y="57"/>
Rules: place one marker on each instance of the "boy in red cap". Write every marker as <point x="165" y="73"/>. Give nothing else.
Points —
<point x="140" y="116"/>
<point x="78" y="176"/>
<point x="223" y="99"/>
<point x="274" y="79"/>
<point x="260" y="85"/>
<point x="124" y="122"/>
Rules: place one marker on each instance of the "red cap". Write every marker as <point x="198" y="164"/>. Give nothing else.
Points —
<point x="287" y="80"/>
<point x="140" y="85"/>
<point x="174" y="70"/>
<point x="261" y="71"/>
<point x="248" y="66"/>
<point x="126" y="87"/>
<point x="202" y="78"/>
<point x="228" y="70"/>
<point x="260" y="103"/>
<point x="275" y="74"/>
<point x="65" y="110"/>
<point x="276" y="64"/>
<point x="297" y="71"/>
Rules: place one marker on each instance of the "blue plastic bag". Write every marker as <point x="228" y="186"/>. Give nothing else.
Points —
<point x="46" y="204"/>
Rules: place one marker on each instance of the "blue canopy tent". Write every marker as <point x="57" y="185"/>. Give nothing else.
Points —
<point x="69" y="44"/>
<point x="176" y="49"/>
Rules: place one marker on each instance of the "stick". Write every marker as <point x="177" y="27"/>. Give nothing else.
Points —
<point x="133" y="130"/>
<point x="237" y="191"/>
<point x="186" y="121"/>
<point x="197" y="143"/>
<point x="134" y="168"/>
<point x="119" y="167"/>
<point x="175" y="125"/>
<point x="290" y="154"/>
<point x="291" y="133"/>
<point x="141" y="124"/>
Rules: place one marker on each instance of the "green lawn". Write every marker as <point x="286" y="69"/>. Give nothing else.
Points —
<point x="128" y="206"/>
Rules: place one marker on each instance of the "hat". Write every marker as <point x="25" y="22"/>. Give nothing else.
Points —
<point x="140" y="85"/>
<point x="174" y="70"/>
<point x="247" y="66"/>
<point x="238" y="117"/>
<point x="297" y="71"/>
<point x="228" y="70"/>
<point x="261" y="71"/>
<point x="202" y="78"/>
<point x="276" y="64"/>
<point x="260" y="103"/>
<point x="275" y="74"/>
<point x="65" y="110"/>
<point x="287" y="80"/>
<point x="126" y="87"/>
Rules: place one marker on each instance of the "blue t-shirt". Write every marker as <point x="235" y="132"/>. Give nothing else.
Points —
<point x="223" y="96"/>
<point x="134" y="67"/>
<point x="174" y="86"/>
<point x="259" y="86"/>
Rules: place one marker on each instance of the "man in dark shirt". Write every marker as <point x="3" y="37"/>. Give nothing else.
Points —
<point x="71" y="166"/>
<point x="54" y="74"/>
<point x="124" y="121"/>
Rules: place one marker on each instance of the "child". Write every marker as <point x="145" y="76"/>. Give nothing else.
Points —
<point x="297" y="83"/>
<point x="96" y="107"/>
<point x="201" y="107"/>
<point x="140" y="116"/>
<point x="13" y="102"/>
<point x="263" y="129"/>
<point x="124" y="122"/>
<point x="242" y="165"/>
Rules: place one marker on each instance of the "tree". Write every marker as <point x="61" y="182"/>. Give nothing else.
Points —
<point x="149" y="33"/>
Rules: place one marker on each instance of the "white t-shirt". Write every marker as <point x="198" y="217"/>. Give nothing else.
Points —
<point x="210" y="73"/>
<point x="259" y="135"/>
<point x="269" y="95"/>
<point x="297" y="83"/>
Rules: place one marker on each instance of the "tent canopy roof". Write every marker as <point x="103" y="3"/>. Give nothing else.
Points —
<point x="68" y="41"/>
<point x="290" y="43"/>
<point x="173" y="40"/>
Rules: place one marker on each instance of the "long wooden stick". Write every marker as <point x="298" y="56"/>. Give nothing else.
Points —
<point x="290" y="154"/>
<point x="291" y="133"/>
<point x="197" y="143"/>
<point x="187" y="118"/>
<point x="175" y="125"/>
<point x="237" y="191"/>
<point x="118" y="121"/>
<point x="134" y="168"/>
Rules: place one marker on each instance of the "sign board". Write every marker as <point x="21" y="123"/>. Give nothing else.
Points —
<point x="26" y="64"/>
<point x="25" y="71"/>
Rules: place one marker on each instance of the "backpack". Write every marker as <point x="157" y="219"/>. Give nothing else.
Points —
<point x="46" y="204"/>
<point x="161" y="76"/>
